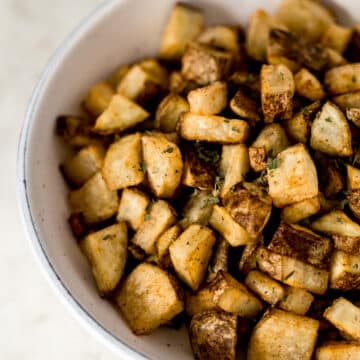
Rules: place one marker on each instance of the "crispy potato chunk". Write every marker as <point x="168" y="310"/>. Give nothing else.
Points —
<point x="208" y="100"/>
<point x="264" y="286"/>
<point x="343" y="79"/>
<point x="344" y="271"/>
<point x="338" y="351"/>
<point x="308" y="86"/>
<point x="301" y="210"/>
<point x="296" y="300"/>
<point x="336" y="37"/>
<point x="157" y="72"/>
<point x="115" y="78"/>
<point x="106" y="251"/>
<point x="169" y="111"/>
<point x="81" y="167"/>
<point x="353" y="115"/>
<point x="190" y="254"/>
<point x="163" y="243"/>
<point x="212" y="128"/>
<point x="213" y="335"/>
<point x="292" y="337"/>
<point x="349" y="100"/>
<point x="185" y="24"/>
<point x="354" y="203"/>
<point x="205" y="65"/>
<point x="148" y="298"/>
<point x="132" y="208"/>
<point x="248" y="259"/>
<point x="244" y="106"/>
<point x="345" y="316"/>
<point x="353" y="177"/>
<point x="220" y="258"/>
<point x="202" y="300"/>
<point x="121" y="114"/>
<point x="98" y="98"/>
<point x="234" y="165"/>
<point x="294" y="179"/>
<point x="277" y="91"/>
<point x="160" y="217"/>
<point x="163" y="163"/>
<point x="122" y="164"/>
<point x="94" y="200"/>
<point x="257" y="158"/>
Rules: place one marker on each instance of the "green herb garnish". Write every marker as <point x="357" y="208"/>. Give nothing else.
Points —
<point x="148" y="209"/>
<point x="353" y="78"/>
<point x="219" y="180"/>
<point x="169" y="150"/>
<point x="213" y="200"/>
<point x="328" y="119"/>
<point x="209" y="154"/>
<point x="106" y="237"/>
<point x="142" y="167"/>
<point x="355" y="266"/>
<point x="343" y="203"/>
<point x="306" y="112"/>
<point x="273" y="163"/>
<point x="289" y="275"/>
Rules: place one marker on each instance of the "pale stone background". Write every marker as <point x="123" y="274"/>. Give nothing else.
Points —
<point x="33" y="323"/>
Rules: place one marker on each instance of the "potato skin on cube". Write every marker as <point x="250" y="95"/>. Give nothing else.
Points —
<point x="338" y="351"/>
<point x="301" y="210"/>
<point x="343" y="79"/>
<point x="148" y="298"/>
<point x="98" y="98"/>
<point x="296" y="300"/>
<point x="308" y="86"/>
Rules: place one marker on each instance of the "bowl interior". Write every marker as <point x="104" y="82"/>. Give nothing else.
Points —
<point x="116" y="33"/>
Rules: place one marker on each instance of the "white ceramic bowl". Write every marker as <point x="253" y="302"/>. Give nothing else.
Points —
<point x="116" y="32"/>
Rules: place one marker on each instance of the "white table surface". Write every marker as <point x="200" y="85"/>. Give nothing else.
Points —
<point x="33" y="323"/>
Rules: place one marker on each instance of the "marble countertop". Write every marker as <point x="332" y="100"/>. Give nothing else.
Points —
<point x="34" y="324"/>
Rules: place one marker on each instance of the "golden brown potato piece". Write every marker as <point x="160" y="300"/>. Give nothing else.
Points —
<point x="296" y="300"/>
<point x="353" y="114"/>
<point x="122" y="164"/>
<point x="244" y="106"/>
<point x="277" y="91"/>
<point x="159" y="217"/>
<point x="344" y="271"/>
<point x="345" y="316"/>
<point x="115" y="78"/>
<point x="349" y="100"/>
<point x="94" y="200"/>
<point x="164" y="165"/>
<point x="121" y="114"/>
<point x="257" y="158"/>
<point x="234" y="164"/>
<point x="208" y="100"/>
<point x="185" y="24"/>
<point x="338" y="351"/>
<point x="308" y="86"/>
<point x="248" y="259"/>
<point x="353" y="177"/>
<point x="334" y="58"/>
<point x="178" y="84"/>
<point x="213" y="128"/>
<point x="292" y="337"/>
<point x="190" y="254"/>
<point x="220" y="258"/>
<point x="202" y="300"/>
<point x="264" y="286"/>
<point x="343" y="79"/>
<point x="336" y="37"/>
<point x="157" y="72"/>
<point x="205" y="65"/>
<point x="354" y="203"/>
<point x="250" y="207"/>
<point x="213" y="335"/>
<point x="79" y="168"/>
<point x="163" y="243"/>
<point x="301" y="210"/>
<point x="98" y="98"/>
<point x="133" y="207"/>
<point x="301" y="243"/>
<point x="169" y="111"/>
<point x="106" y="251"/>
<point x="292" y="176"/>
<point x="148" y="298"/>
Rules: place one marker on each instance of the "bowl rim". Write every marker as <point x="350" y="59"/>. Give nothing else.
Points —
<point x="26" y="214"/>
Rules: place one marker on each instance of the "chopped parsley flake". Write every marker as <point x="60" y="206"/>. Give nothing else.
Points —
<point x="289" y="275"/>
<point x="353" y="79"/>
<point x="273" y="163"/>
<point x="142" y="167"/>
<point x="328" y="119"/>
<point x="106" y="237"/>
<point x="169" y="150"/>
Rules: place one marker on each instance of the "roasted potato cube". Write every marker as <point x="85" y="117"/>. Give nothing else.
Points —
<point x="248" y="259"/>
<point x="121" y="114"/>
<point x="264" y="286"/>
<point x="295" y="15"/>
<point x="353" y="177"/>
<point x="94" y="200"/>
<point x="277" y="91"/>
<point x="354" y="203"/>
<point x="220" y="258"/>
<point x="343" y="79"/>
<point x="257" y="158"/>
<point x="98" y="98"/>
<point x="148" y="298"/>
<point x="178" y="84"/>
<point x="308" y="86"/>
<point x="336" y="37"/>
<point x="234" y="165"/>
<point x="353" y="115"/>
<point x="202" y="300"/>
<point x="190" y="254"/>
<point x="159" y="217"/>
<point x="169" y="111"/>
<point x="349" y="100"/>
<point x="334" y="58"/>
<point x="122" y="164"/>
<point x="81" y="167"/>
<point x="163" y="243"/>
<point x="292" y="337"/>
<point x="338" y="351"/>
<point x="213" y="335"/>
<point x="205" y="65"/>
<point x="244" y="106"/>
<point x="296" y="300"/>
<point x="208" y="100"/>
<point x="115" y="78"/>
<point x="344" y="271"/>
<point x="294" y="179"/>
<point x="212" y="128"/>
<point x="224" y="223"/>
<point x="345" y="316"/>
<point x="250" y="207"/>
<point x="106" y="251"/>
<point x="133" y="207"/>
<point x="221" y="37"/>
<point x="292" y="272"/>
<point x="164" y="165"/>
<point x="157" y="72"/>
<point x="301" y="210"/>
<point x="301" y="243"/>
<point x="185" y="24"/>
